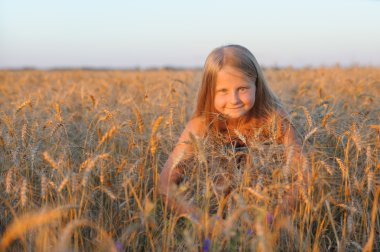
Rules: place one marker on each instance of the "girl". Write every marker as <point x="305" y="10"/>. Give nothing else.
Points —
<point x="234" y="100"/>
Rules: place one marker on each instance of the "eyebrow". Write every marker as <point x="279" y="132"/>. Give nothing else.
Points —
<point x="246" y="85"/>
<point x="220" y="89"/>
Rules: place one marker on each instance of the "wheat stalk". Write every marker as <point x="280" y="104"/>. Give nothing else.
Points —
<point x="369" y="245"/>
<point x="327" y="116"/>
<point x="308" y="117"/>
<point x="93" y="101"/>
<point x="23" y="196"/>
<point x="107" y="116"/>
<point x="140" y="121"/>
<point x="108" y="192"/>
<point x="107" y="136"/>
<point x="327" y="167"/>
<point x="153" y="141"/>
<point x="241" y="136"/>
<point x="23" y="105"/>
<point x="8" y="181"/>
<point x="355" y="137"/>
<point x="63" y="184"/>
<point x="67" y="232"/>
<point x="370" y="178"/>
<point x="89" y="164"/>
<point x="58" y="113"/>
<point x="170" y="117"/>
<point x="289" y="158"/>
<point x="342" y="167"/>
<point x="332" y="223"/>
<point x="24" y="134"/>
<point x="28" y="222"/>
<point x="43" y="186"/>
<point x="376" y="127"/>
<point x="368" y="156"/>
<point x="57" y="126"/>
<point x="74" y="182"/>
<point x="311" y="132"/>
<point x="48" y="159"/>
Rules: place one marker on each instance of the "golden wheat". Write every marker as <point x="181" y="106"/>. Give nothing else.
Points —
<point x="85" y="141"/>
<point x="24" y="104"/>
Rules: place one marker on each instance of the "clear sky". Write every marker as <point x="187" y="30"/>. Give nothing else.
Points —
<point x="142" y="33"/>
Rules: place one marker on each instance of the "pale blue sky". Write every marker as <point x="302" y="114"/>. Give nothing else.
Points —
<point x="122" y="34"/>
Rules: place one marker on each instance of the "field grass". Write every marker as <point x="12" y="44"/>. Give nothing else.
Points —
<point x="81" y="151"/>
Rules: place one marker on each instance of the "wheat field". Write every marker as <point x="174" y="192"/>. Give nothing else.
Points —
<point x="81" y="152"/>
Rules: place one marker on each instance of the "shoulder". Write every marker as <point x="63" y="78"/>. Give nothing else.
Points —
<point x="288" y="131"/>
<point x="278" y="117"/>
<point x="196" y="126"/>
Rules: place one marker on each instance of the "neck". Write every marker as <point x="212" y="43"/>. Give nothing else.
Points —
<point x="240" y="124"/>
<point x="236" y="123"/>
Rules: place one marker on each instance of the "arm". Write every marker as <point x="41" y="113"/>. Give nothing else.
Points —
<point x="297" y="164"/>
<point x="286" y="134"/>
<point x="171" y="173"/>
<point x="298" y="161"/>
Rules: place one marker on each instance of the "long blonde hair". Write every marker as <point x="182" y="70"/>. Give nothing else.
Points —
<point x="242" y="59"/>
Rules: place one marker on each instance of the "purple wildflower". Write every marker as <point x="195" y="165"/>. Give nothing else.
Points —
<point x="119" y="246"/>
<point x="269" y="218"/>
<point x="250" y="232"/>
<point x="206" y="245"/>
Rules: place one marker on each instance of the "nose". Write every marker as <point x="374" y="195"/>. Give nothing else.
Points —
<point x="235" y="99"/>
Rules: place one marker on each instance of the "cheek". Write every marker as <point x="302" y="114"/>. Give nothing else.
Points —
<point x="219" y="101"/>
<point x="249" y="97"/>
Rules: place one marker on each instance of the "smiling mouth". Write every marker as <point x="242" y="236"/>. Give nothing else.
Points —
<point x="236" y="107"/>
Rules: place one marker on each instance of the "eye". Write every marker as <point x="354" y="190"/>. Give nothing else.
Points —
<point x="243" y="89"/>
<point x="222" y="90"/>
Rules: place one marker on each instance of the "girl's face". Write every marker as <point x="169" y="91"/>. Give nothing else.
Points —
<point x="234" y="93"/>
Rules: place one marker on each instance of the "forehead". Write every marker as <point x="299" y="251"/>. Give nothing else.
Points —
<point x="230" y="75"/>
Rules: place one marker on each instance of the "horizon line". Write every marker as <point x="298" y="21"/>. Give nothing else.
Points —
<point x="171" y="67"/>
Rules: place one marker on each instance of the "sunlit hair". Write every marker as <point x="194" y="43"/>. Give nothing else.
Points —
<point x="241" y="59"/>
